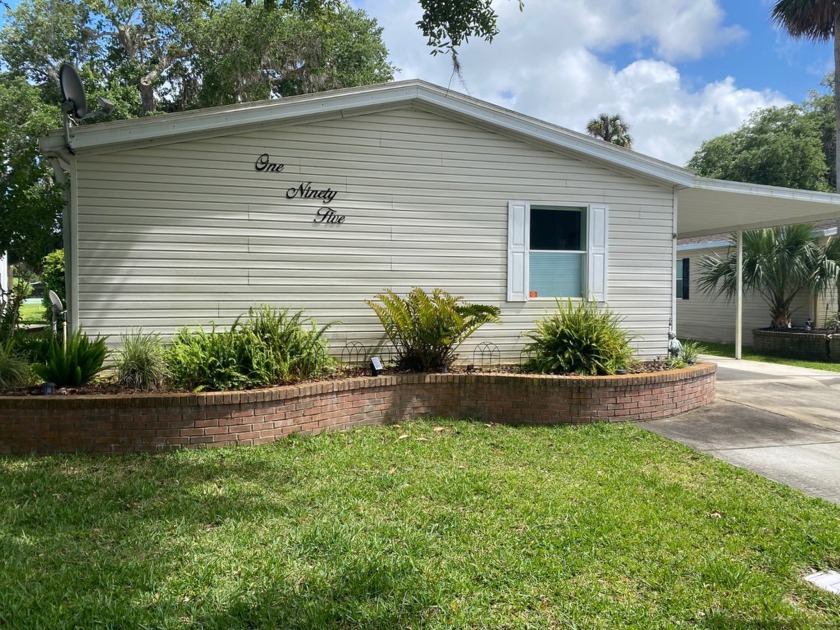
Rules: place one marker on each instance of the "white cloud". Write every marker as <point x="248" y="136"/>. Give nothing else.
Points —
<point x="550" y="61"/>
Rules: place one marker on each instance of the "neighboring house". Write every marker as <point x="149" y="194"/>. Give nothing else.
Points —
<point x="712" y="317"/>
<point x="322" y="201"/>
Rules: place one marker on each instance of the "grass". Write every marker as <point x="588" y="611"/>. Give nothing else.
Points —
<point x="32" y="313"/>
<point x="728" y="350"/>
<point x="431" y="524"/>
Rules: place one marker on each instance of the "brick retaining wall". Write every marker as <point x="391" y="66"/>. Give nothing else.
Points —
<point x="807" y="346"/>
<point x="154" y="422"/>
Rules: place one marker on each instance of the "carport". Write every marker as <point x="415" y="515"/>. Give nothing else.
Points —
<point x="710" y="206"/>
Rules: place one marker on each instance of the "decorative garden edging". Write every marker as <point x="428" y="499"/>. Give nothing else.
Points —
<point x="792" y="345"/>
<point x="155" y="422"/>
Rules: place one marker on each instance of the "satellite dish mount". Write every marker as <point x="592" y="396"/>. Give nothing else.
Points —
<point x="58" y="312"/>
<point x="74" y="101"/>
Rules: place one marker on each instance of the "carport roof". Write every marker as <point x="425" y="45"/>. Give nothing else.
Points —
<point x="705" y="206"/>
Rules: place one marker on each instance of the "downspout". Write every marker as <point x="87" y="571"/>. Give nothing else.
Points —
<point x="739" y="295"/>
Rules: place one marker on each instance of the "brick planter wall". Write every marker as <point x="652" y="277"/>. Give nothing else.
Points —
<point x="154" y="422"/>
<point x="806" y="346"/>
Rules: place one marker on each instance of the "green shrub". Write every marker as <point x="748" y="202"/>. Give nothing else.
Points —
<point x="690" y="351"/>
<point x="579" y="339"/>
<point x="14" y="370"/>
<point x="34" y="346"/>
<point x="285" y="346"/>
<point x="10" y="309"/>
<point x="271" y="347"/>
<point x="53" y="278"/>
<point x="199" y="360"/>
<point x="141" y="363"/>
<point x="74" y="364"/>
<point x="427" y="329"/>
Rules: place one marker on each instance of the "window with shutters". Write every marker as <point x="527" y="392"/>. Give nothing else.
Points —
<point x="557" y="251"/>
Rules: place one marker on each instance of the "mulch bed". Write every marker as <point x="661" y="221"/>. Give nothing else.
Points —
<point x="107" y="387"/>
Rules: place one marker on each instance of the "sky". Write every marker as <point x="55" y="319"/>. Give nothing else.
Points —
<point x="678" y="71"/>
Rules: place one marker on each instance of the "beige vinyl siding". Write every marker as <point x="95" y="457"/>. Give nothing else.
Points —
<point x="827" y="307"/>
<point x="190" y="233"/>
<point x="713" y="318"/>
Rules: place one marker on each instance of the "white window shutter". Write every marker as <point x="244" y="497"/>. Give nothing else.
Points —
<point x="597" y="259"/>
<point x="517" y="268"/>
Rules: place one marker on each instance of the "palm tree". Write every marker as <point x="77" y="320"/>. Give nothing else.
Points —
<point x="818" y="20"/>
<point x="611" y="129"/>
<point x="779" y="263"/>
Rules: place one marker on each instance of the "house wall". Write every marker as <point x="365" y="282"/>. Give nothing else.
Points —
<point x="827" y="307"/>
<point x="191" y="233"/>
<point x="712" y="318"/>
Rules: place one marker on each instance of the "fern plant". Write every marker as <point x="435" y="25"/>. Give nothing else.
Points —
<point x="270" y="347"/>
<point x="200" y="360"/>
<point x="579" y="339"/>
<point x="284" y="346"/>
<point x="75" y="363"/>
<point x="426" y="329"/>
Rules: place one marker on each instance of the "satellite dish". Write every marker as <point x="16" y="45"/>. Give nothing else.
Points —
<point x="58" y="307"/>
<point x="72" y="91"/>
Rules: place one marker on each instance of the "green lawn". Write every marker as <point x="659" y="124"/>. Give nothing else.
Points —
<point x="32" y="313"/>
<point x="430" y="524"/>
<point x="728" y="350"/>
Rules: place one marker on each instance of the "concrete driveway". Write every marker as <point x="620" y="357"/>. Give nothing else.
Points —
<point x="778" y="421"/>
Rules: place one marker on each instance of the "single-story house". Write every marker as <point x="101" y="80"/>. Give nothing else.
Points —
<point x="321" y="201"/>
<point x="711" y="317"/>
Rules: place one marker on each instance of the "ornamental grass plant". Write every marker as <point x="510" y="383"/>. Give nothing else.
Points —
<point x="14" y="369"/>
<point x="141" y="362"/>
<point x="579" y="338"/>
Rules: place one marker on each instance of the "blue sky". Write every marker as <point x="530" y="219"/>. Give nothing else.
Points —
<point x="679" y="71"/>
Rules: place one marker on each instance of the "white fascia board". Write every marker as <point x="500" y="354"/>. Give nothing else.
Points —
<point x="688" y="247"/>
<point x="222" y="119"/>
<point x="354" y="100"/>
<point x="762" y="190"/>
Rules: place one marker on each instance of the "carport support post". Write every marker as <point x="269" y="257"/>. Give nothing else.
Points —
<point x="739" y="294"/>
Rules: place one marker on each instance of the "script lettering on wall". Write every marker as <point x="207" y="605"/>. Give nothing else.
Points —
<point x="325" y="214"/>
<point x="264" y="164"/>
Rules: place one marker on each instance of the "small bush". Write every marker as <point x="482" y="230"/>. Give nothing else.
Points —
<point x="14" y="370"/>
<point x="53" y="278"/>
<point x="34" y="346"/>
<point x="271" y="347"/>
<point x="427" y="329"/>
<point x="10" y="309"/>
<point x="691" y="350"/>
<point x="141" y="363"/>
<point x="285" y="346"/>
<point x="579" y="339"/>
<point x="74" y="364"/>
<point x="199" y="360"/>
